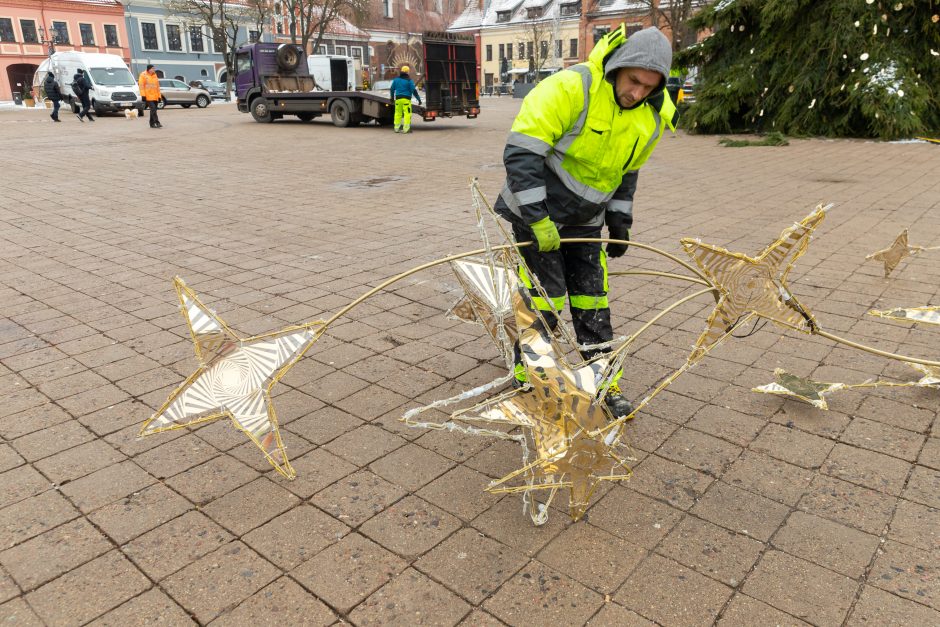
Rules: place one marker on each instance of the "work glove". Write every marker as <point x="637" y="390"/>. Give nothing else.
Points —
<point x="547" y="234"/>
<point x="618" y="225"/>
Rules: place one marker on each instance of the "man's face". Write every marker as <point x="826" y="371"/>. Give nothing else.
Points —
<point x="633" y="84"/>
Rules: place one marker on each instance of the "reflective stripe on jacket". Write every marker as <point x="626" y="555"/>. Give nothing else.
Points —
<point x="149" y="86"/>
<point x="573" y="144"/>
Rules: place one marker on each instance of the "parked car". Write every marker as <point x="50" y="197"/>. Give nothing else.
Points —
<point x="688" y="91"/>
<point x="216" y="90"/>
<point x="173" y="92"/>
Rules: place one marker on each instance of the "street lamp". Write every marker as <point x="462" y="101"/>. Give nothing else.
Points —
<point x="52" y="41"/>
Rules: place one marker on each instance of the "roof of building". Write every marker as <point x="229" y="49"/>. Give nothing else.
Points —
<point x="617" y="6"/>
<point x="471" y="17"/>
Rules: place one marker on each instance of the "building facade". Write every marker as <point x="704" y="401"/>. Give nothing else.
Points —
<point x="599" y="17"/>
<point x="525" y="40"/>
<point x="31" y="29"/>
<point x="395" y="28"/>
<point x="341" y="36"/>
<point x="178" y="46"/>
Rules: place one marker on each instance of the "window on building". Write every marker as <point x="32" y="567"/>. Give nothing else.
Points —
<point x="6" y="29"/>
<point x="148" y="31"/>
<point x="573" y="49"/>
<point x="600" y="31"/>
<point x="196" y="43"/>
<point x="509" y="51"/>
<point x="521" y="51"/>
<point x="558" y="48"/>
<point x="543" y="49"/>
<point x="534" y="12"/>
<point x="174" y="40"/>
<point x="633" y="28"/>
<point x="321" y="49"/>
<point x="489" y="52"/>
<point x="111" y="36"/>
<point x="254" y="36"/>
<point x="28" y="27"/>
<point x="355" y="52"/>
<point x="341" y="50"/>
<point x="570" y="9"/>
<point x="503" y="16"/>
<point x="204" y="72"/>
<point x="61" y="32"/>
<point x="388" y="8"/>
<point x="528" y="49"/>
<point x="502" y="51"/>
<point x="87" y="33"/>
<point x="182" y="79"/>
<point x="279" y="27"/>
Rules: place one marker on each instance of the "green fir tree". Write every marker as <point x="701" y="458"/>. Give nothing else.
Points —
<point x="838" y="68"/>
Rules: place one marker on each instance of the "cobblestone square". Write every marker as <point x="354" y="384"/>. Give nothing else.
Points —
<point x="744" y="509"/>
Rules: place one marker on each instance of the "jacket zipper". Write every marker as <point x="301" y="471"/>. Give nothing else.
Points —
<point x="630" y="158"/>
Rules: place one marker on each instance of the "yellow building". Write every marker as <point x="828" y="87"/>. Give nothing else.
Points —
<point x="525" y="40"/>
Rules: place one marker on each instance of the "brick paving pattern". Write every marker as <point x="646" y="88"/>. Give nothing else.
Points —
<point x="744" y="509"/>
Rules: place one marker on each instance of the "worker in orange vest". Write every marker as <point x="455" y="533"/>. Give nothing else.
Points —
<point x="149" y="84"/>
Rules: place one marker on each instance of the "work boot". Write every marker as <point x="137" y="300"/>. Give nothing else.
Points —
<point x="397" y="130"/>
<point x="616" y="403"/>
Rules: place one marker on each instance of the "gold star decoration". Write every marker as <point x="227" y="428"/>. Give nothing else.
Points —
<point x="561" y="418"/>
<point x="806" y="390"/>
<point x="895" y="253"/>
<point x="931" y="374"/>
<point x="926" y="315"/>
<point x="487" y="300"/>
<point x="751" y="286"/>
<point x="234" y="378"/>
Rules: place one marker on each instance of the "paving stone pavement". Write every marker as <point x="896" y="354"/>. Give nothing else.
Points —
<point x="744" y="509"/>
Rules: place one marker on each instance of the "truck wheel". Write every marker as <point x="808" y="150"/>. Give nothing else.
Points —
<point x="261" y="110"/>
<point x="288" y="57"/>
<point x="202" y="101"/>
<point x="340" y="113"/>
<point x="306" y="116"/>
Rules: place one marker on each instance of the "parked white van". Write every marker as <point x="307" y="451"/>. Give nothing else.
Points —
<point x="113" y="87"/>
<point x="332" y="72"/>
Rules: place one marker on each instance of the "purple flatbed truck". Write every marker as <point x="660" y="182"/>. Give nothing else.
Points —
<point x="273" y="80"/>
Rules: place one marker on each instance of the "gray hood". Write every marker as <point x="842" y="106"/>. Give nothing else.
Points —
<point x="648" y="49"/>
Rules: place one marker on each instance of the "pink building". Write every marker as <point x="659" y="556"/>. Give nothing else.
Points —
<point x="27" y="28"/>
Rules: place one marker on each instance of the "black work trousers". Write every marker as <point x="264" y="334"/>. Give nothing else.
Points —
<point x="154" y="118"/>
<point x="578" y="271"/>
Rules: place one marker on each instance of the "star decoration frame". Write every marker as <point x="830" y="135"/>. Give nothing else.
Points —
<point x="568" y="438"/>
<point x="234" y="378"/>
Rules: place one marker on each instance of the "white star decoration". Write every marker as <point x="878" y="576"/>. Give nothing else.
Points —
<point x="234" y="378"/>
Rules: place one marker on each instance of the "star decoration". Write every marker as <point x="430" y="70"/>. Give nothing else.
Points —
<point x="926" y="315"/>
<point x="487" y="299"/>
<point x="560" y="416"/>
<point x="895" y="253"/>
<point x="234" y="378"/>
<point x="751" y="286"/>
<point x="806" y="390"/>
<point x="931" y="374"/>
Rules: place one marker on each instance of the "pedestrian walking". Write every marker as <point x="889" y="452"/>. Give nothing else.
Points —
<point x="572" y="160"/>
<point x="81" y="86"/>
<point x="402" y="89"/>
<point x="149" y="84"/>
<point x="53" y="93"/>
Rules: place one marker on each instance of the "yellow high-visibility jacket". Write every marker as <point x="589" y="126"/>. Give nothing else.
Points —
<point x="574" y="152"/>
